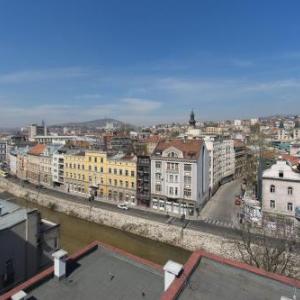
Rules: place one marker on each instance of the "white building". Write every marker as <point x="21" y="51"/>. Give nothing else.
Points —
<point x="280" y="190"/>
<point x="221" y="160"/>
<point x="237" y="122"/>
<point x="179" y="176"/>
<point x="253" y="121"/>
<point x="58" y="165"/>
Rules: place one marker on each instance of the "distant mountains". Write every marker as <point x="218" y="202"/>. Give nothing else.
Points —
<point x="94" y="124"/>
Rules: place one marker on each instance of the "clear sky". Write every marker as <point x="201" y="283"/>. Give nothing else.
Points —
<point x="147" y="61"/>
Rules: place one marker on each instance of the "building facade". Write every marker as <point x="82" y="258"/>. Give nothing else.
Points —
<point x="143" y="192"/>
<point x="179" y="177"/>
<point x="27" y="242"/>
<point x="280" y="192"/>
<point x="221" y="161"/>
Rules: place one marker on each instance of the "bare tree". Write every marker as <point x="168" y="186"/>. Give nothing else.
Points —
<point x="271" y="254"/>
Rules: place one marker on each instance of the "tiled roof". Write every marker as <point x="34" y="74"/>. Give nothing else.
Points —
<point x="293" y="160"/>
<point x="37" y="149"/>
<point x="190" y="148"/>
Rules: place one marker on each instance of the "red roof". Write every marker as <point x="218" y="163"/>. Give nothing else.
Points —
<point x="294" y="160"/>
<point x="37" y="149"/>
<point x="190" y="148"/>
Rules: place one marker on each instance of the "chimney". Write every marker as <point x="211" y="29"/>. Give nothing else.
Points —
<point x="21" y="295"/>
<point x="172" y="270"/>
<point x="60" y="263"/>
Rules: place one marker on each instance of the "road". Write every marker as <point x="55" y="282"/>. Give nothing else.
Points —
<point x="221" y="207"/>
<point x="224" y="228"/>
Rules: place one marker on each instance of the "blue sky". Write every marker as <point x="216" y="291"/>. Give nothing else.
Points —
<point x="147" y="61"/>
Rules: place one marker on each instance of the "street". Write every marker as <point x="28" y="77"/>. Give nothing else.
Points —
<point x="220" y="209"/>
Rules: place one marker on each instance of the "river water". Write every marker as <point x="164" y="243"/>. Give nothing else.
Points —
<point x="76" y="233"/>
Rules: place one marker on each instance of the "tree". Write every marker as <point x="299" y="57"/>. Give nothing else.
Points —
<point x="274" y="255"/>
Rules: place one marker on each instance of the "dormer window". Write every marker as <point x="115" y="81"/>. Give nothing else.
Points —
<point x="280" y="174"/>
<point x="172" y="155"/>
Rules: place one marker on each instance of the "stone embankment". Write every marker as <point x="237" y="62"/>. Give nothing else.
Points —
<point x="166" y="233"/>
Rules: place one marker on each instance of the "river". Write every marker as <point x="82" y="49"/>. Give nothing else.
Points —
<point x="76" y="233"/>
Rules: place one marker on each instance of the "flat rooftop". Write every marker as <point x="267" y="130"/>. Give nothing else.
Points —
<point x="214" y="280"/>
<point x="103" y="274"/>
<point x="11" y="214"/>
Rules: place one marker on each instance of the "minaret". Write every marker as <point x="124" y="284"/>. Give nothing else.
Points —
<point x="192" y="121"/>
<point x="281" y="131"/>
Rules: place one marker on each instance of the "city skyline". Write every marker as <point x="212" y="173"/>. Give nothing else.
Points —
<point x="147" y="63"/>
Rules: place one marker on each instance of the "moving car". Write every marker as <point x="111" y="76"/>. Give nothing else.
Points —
<point x="123" y="206"/>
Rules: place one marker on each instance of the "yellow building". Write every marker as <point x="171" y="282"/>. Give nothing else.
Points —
<point x="74" y="172"/>
<point x="121" y="179"/>
<point x="105" y="177"/>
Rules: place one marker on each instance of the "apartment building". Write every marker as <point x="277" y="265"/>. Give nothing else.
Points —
<point x="74" y="172"/>
<point x="280" y="191"/>
<point x="39" y="164"/>
<point x="143" y="193"/>
<point x="221" y="161"/>
<point x="2" y="151"/>
<point x="103" y="176"/>
<point x="121" y="178"/>
<point x="179" y="177"/>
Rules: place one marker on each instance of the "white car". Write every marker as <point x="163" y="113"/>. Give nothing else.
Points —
<point x="123" y="206"/>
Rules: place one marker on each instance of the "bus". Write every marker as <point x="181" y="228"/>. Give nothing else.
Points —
<point x="3" y="173"/>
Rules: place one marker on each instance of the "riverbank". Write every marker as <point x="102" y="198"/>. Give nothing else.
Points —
<point x="173" y="235"/>
<point x="166" y="233"/>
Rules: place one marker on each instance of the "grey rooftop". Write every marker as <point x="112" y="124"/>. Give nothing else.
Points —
<point x="103" y="274"/>
<point x="213" y="280"/>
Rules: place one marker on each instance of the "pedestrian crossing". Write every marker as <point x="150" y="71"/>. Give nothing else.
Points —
<point x="220" y="223"/>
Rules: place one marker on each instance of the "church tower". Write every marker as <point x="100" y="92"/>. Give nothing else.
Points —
<point x="192" y="121"/>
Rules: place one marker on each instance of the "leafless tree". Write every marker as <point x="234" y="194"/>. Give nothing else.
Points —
<point x="271" y="254"/>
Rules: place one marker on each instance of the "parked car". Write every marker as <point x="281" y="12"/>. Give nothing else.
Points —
<point x="123" y="206"/>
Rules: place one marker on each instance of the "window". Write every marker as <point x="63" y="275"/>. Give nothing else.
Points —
<point x="272" y="203"/>
<point x="176" y="191"/>
<point x="101" y="169"/>
<point x="121" y="172"/>
<point x="290" y="190"/>
<point x="290" y="206"/>
<point x="157" y="164"/>
<point x="272" y="188"/>
<point x="101" y="159"/>
<point x="171" y="190"/>
<point x="95" y="169"/>
<point x="109" y="181"/>
<point x="109" y="170"/>
<point x="157" y="176"/>
<point x="132" y="173"/>
<point x="187" y="180"/>
<point x="280" y="174"/>
<point x="132" y="185"/>
<point x="157" y="187"/>
<point x="126" y="173"/>
<point x="171" y="178"/>
<point x="121" y="182"/>
<point x="126" y="184"/>
<point x="187" y="167"/>
<point x="95" y="159"/>
<point x="90" y="168"/>
<point x="187" y="192"/>
<point x="172" y="154"/>
<point x="116" y="182"/>
<point x="90" y="159"/>
<point x="115" y="171"/>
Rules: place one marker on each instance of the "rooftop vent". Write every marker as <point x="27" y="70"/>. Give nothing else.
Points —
<point x="60" y="263"/>
<point x="21" y="295"/>
<point x="172" y="270"/>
